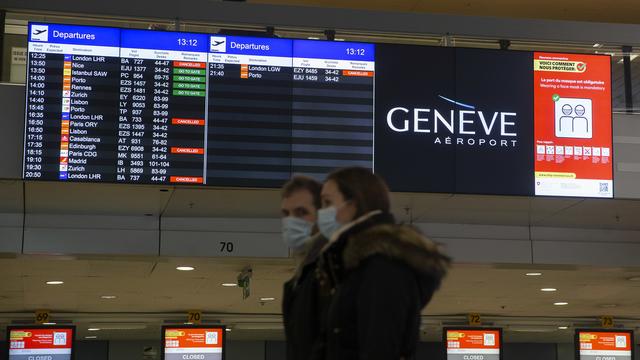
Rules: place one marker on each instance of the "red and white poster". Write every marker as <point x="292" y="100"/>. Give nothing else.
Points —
<point x="573" y="135"/>
<point x="604" y="345"/>
<point x="193" y="343"/>
<point x="40" y="343"/>
<point x="473" y="344"/>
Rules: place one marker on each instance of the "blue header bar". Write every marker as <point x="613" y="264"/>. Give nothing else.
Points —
<point x="74" y="34"/>
<point x="163" y="40"/>
<point x="244" y="45"/>
<point x="333" y="50"/>
<point x="179" y="41"/>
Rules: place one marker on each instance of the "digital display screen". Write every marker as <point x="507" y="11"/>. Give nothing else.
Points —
<point x="50" y="343"/>
<point x="602" y="344"/>
<point x="476" y="121"/>
<point x="473" y="344"/>
<point x="154" y="107"/>
<point x="447" y="127"/>
<point x="574" y="153"/>
<point x="204" y="343"/>
<point x="151" y="107"/>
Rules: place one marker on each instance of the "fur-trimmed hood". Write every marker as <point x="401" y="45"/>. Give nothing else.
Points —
<point x="402" y="243"/>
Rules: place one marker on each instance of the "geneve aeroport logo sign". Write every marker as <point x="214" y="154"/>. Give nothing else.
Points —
<point x="479" y="127"/>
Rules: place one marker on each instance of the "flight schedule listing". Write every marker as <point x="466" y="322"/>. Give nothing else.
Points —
<point x="141" y="106"/>
<point x="158" y="107"/>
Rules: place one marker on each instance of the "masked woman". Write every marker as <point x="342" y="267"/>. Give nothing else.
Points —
<point x="378" y="275"/>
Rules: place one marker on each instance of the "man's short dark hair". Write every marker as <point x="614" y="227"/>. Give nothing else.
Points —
<point x="303" y="183"/>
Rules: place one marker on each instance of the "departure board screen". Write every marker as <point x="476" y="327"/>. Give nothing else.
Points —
<point x="174" y="108"/>
<point x="155" y="107"/>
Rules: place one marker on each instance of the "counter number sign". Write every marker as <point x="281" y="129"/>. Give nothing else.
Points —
<point x="42" y="316"/>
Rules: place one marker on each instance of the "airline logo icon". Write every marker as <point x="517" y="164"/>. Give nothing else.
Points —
<point x="574" y="118"/>
<point x="218" y="44"/>
<point x="39" y="33"/>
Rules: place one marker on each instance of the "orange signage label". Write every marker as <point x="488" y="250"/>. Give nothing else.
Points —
<point x="177" y="338"/>
<point x="473" y="339"/>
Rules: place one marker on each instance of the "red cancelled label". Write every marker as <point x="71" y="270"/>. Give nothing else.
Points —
<point x="193" y="151"/>
<point x="179" y="121"/>
<point x="189" y="64"/>
<point x="357" y="73"/>
<point x="187" y="179"/>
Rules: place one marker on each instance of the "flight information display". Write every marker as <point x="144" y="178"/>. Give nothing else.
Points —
<point x="157" y="107"/>
<point x="193" y="342"/>
<point x="473" y="344"/>
<point x="604" y="344"/>
<point x="152" y="107"/>
<point x="51" y="343"/>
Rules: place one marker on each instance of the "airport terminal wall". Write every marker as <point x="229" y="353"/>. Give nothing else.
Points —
<point x="121" y="221"/>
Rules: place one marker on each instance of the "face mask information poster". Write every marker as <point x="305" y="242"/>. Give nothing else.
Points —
<point x="473" y="344"/>
<point x="573" y="128"/>
<point x="604" y="345"/>
<point x="193" y="343"/>
<point x="40" y="344"/>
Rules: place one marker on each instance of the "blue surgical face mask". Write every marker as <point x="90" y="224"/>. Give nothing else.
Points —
<point x="327" y="222"/>
<point x="295" y="231"/>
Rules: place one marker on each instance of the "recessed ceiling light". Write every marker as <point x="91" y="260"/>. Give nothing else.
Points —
<point x="227" y="329"/>
<point x="267" y="299"/>
<point x="560" y="303"/>
<point x="596" y="45"/>
<point x="635" y="278"/>
<point x="533" y="274"/>
<point x="90" y="337"/>
<point x="185" y="268"/>
<point x="49" y="323"/>
<point x="229" y="284"/>
<point x="55" y="282"/>
<point x="563" y="327"/>
<point x="313" y="38"/>
<point x="548" y="289"/>
<point x="108" y="297"/>
<point x="93" y="329"/>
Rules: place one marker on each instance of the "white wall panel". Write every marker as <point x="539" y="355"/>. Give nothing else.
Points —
<point x="10" y="233"/>
<point x="222" y="237"/>
<point x="91" y="234"/>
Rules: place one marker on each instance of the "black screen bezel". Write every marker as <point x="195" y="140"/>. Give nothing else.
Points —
<point x="222" y="327"/>
<point x="44" y="327"/>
